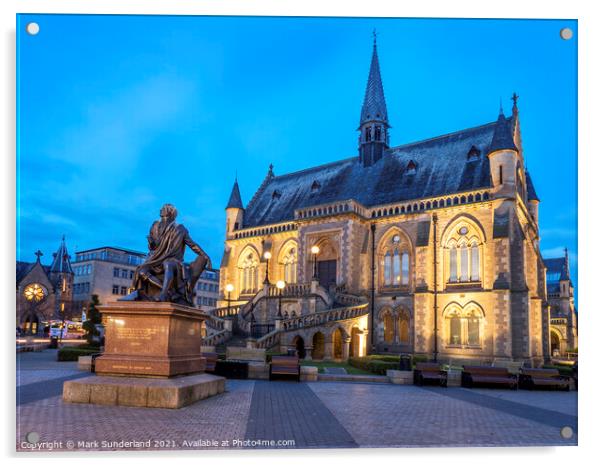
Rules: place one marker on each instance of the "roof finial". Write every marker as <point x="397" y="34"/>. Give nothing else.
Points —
<point x="39" y="254"/>
<point x="271" y="170"/>
<point x="515" y="99"/>
<point x="374" y="34"/>
<point x="501" y="107"/>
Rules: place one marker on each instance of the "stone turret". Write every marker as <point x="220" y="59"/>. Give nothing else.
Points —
<point x="503" y="158"/>
<point x="234" y="211"/>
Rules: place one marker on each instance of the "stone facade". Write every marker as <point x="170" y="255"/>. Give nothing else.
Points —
<point x="444" y="247"/>
<point x="561" y="309"/>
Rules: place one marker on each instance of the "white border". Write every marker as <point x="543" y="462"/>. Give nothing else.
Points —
<point x="590" y="153"/>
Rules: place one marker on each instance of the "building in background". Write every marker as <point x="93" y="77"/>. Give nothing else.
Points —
<point x="561" y="301"/>
<point x="44" y="292"/>
<point x="207" y="290"/>
<point x="428" y="247"/>
<point x="106" y="272"/>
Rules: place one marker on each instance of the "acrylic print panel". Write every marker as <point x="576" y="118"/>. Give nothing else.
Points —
<point x="361" y="231"/>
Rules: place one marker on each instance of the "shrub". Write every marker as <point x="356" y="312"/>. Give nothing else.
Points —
<point x="567" y="371"/>
<point x="420" y="358"/>
<point x="72" y="353"/>
<point x="376" y="366"/>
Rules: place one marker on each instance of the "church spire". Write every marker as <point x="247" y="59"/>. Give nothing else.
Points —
<point x="61" y="262"/>
<point x="374" y="107"/>
<point x="235" y="201"/>
<point x="374" y="121"/>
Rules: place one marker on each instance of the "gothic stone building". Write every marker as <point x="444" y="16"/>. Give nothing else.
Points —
<point x="44" y="293"/>
<point x="561" y="302"/>
<point x="430" y="247"/>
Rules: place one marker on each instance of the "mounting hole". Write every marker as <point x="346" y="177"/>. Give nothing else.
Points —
<point x="566" y="33"/>
<point x="566" y="432"/>
<point x="32" y="437"/>
<point x="32" y="28"/>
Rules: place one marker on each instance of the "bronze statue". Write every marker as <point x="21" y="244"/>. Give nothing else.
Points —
<point x="164" y="276"/>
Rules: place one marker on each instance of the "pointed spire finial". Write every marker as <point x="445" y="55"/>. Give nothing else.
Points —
<point x="501" y="107"/>
<point x="271" y="170"/>
<point x="235" y="201"/>
<point x="374" y="34"/>
<point x="515" y="99"/>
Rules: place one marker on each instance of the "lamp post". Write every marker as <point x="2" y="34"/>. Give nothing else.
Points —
<point x="267" y="256"/>
<point x="315" y="250"/>
<point x="229" y="289"/>
<point x="280" y="284"/>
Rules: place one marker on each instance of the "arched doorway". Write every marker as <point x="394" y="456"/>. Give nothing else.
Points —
<point x="30" y="326"/>
<point x="318" y="346"/>
<point x="354" y="345"/>
<point x="554" y="343"/>
<point x="326" y="267"/>
<point x="337" y="344"/>
<point x="299" y="347"/>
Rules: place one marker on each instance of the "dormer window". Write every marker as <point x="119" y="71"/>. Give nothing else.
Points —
<point x="473" y="153"/>
<point x="276" y="194"/>
<point x="411" y="168"/>
<point x="315" y="186"/>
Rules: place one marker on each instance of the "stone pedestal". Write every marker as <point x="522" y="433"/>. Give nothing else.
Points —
<point x="147" y="339"/>
<point x="152" y="359"/>
<point x="145" y="393"/>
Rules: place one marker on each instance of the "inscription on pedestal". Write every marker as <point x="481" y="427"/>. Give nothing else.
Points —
<point x="151" y="339"/>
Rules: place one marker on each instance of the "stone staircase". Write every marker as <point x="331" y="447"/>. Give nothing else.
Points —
<point x="232" y="325"/>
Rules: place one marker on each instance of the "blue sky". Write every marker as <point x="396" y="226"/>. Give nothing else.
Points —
<point x="120" y="114"/>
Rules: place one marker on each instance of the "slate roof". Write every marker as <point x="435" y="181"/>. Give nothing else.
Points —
<point x="502" y="136"/>
<point x="374" y="107"/>
<point x="557" y="269"/>
<point x="61" y="262"/>
<point x="557" y="266"/>
<point x="531" y="194"/>
<point x="235" y="200"/>
<point x="442" y="167"/>
<point x="23" y="268"/>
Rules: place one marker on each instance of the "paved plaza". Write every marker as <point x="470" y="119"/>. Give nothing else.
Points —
<point x="262" y="414"/>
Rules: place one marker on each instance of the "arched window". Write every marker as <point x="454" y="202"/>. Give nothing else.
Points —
<point x="403" y="325"/>
<point x="289" y="264"/>
<point x="475" y="262"/>
<point x="455" y="329"/>
<point x="248" y="272"/>
<point x="463" y="258"/>
<point x="464" y="326"/>
<point x="473" y="327"/>
<point x="453" y="264"/>
<point x="395" y="261"/>
<point x="389" y="327"/>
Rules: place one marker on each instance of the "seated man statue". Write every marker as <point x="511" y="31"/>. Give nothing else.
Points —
<point x="163" y="276"/>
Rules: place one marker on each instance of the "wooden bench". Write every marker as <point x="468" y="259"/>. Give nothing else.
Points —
<point x="543" y="378"/>
<point x="488" y="376"/>
<point x="285" y="366"/>
<point x="210" y="361"/>
<point x="429" y="372"/>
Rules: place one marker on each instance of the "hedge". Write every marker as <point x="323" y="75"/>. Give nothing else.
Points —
<point x="376" y="366"/>
<point x="72" y="353"/>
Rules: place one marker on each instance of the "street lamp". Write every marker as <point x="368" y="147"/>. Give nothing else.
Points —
<point x="280" y="284"/>
<point x="229" y="289"/>
<point x="267" y="256"/>
<point x="315" y="250"/>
